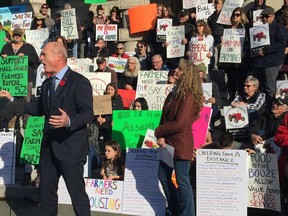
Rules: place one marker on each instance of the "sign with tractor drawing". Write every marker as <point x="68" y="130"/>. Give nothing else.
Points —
<point x="259" y="37"/>
<point x="236" y="117"/>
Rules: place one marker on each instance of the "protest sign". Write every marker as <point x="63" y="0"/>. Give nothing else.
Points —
<point x="30" y="152"/>
<point x="6" y="14"/>
<point x="227" y="9"/>
<point x="203" y="11"/>
<point x="241" y="32"/>
<point x="22" y="20"/>
<point x="2" y="37"/>
<point x="200" y="127"/>
<point x="148" y="18"/>
<point x="231" y="49"/>
<point x="207" y="93"/>
<point x="130" y="126"/>
<point x="152" y="77"/>
<point x="221" y="182"/>
<point x="7" y="157"/>
<point x="117" y="64"/>
<point x="104" y="195"/>
<point x="38" y="38"/>
<point x="259" y="37"/>
<point x="107" y="32"/>
<point x="155" y="94"/>
<point x="14" y="75"/>
<point x="69" y="24"/>
<point x="198" y="51"/>
<point x="94" y="1"/>
<point x="128" y="97"/>
<point x="102" y="105"/>
<point x="99" y="81"/>
<point x="162" y="26"/>
<point x="174" y="38"/>
<point x="150" y="141"/>
<point x="281" y="88"/>
<point x="257" y="18"/>
<point x="263" y="182"/>
<point x="187" y="4"/>
<point x="80" y="65"/>
<point x="40" y="77"/>
<point x="142" y="191"/>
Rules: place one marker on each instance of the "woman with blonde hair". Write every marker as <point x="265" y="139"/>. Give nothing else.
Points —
<point x="181" y="108"/>
<point x="128" y="80"/>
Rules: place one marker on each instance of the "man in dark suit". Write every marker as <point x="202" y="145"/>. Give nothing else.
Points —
<point x="66" y="102"/>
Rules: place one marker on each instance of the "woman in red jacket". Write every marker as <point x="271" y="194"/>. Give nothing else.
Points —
<point x="180" y="110"/>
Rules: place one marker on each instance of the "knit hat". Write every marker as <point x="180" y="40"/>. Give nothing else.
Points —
<point x="202" y="67"/>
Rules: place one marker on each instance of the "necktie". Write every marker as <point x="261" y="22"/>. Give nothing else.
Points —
<point x="52" y="86"/>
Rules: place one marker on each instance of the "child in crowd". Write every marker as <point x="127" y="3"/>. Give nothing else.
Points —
<point x="113" y="164"/>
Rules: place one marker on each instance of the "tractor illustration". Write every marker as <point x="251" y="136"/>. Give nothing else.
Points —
<point x="259" y="36"/>
<point x="163" y="27"/>
<point x="236" y="116"/>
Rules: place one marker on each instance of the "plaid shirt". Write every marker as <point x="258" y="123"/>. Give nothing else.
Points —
<point x="253" y="103"/>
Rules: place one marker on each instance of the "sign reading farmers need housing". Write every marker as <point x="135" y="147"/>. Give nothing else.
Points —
<point x="14" y="75"/>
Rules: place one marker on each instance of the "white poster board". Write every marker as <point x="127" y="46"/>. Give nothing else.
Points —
<point x="117" y="64"/>
<point x="203" y="11"/>
<point x="69" y="24"/>
<point x="241" y="32"/>
<point x="257" y="18"/>
<point x="142" y="194"/>
<point x="40" y="77"/>
<point x="162" y="27"/>
<point x="187" y="4"/>
<point x="155" y="94"/>
<point x="236" y="117"/>
<point x="99" y="81"/>
<point x="263" y="182"/>
<point x="107" y="32"/>
<point x="174" y="38"/>
<point x="152" y="77"/>
<point x="198" y="52"/>
<point x="38" y="38"/>
<point x="259" y="37"/>
<point x="221" y="182"/>
<point x="227" y="9"/>
<point x="21" y="20"/>
<point x="231" y="49"/>
<point x="7" y="157"/>
<point x="80" y="65"/>
<point x="281" y="88"/>
<point x="207" y="93"/>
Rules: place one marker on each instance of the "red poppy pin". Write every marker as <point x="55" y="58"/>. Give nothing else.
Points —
<point x="62" y="83"/>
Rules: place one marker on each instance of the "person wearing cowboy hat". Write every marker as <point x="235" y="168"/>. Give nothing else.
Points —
<point x="48" y="20"/>
<point x="38" y="22"/>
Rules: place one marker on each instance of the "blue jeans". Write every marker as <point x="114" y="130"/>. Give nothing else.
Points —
<point x="180" y="201"/>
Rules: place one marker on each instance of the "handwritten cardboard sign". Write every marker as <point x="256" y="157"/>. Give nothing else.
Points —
<point x="99" y="81"/>
<point x="227" y="9"/>
<point x="38" y="38"/>
<point x="241" y="32"/>
<point x="128" y="97"/>
<point x="259" y="37"/>
<point x="22" y="20"/>
<point x="107" y="32"/>
<point x="225" y="172"/>
<point x="30" y="152"/>
<point x="80" y="65"/>
<point x="14" y="75"/>
<point x="198" y="52"/>
<point x="162" y="26"/>
<point x="203" y="11"/>
<point x="7" y="157"/>
<point x="130" y="126"/>
<point x="230" y="49"/>
<point x="148" y="18"/>
<point x="102" y="105"/>
<point x="142" y="192"/>
<point x="69" y="24"/>
<point x="174" y="38"/>
<point x="187" y="4"/>
<point x="263" y="182"/>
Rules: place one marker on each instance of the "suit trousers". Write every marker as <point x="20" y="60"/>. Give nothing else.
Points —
<point x="72" y="171"/>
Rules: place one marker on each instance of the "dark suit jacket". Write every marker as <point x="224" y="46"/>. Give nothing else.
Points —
<point x="74" y="96"/>
<point x="176" y="125"/>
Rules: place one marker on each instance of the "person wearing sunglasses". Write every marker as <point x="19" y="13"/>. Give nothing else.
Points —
<point x="48" y="20"/>
<point x="237" y="72"/>
<point x="270" y="58"/>
<point x="38" y="22"/>
<point x="252" y="98"/>
<point x="143" y="55"/>
<point x="120" y="51"/>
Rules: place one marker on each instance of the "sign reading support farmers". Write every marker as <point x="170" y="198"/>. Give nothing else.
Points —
<point x="263" y="182"/>
<point x="14" y="75"/>
<point x="38" y="38"/>
<point x="230" y="49"/>
<point x="227" y="9"/>
<point x="22" y="20"/>
<point x="174" y="38"/>
<point x="69" y="24"/>
<point x="30" y="152"/>
<point x="162" y="26"/>
<point x="7" y="157"/>
<point x="107" y="32"/>
<point x="130" y="126"/>
<point x="225" y="172"/>
<point x="259" y="37"/>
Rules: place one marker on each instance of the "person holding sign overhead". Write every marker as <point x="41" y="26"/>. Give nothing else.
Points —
<point x="181" y="108"/>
